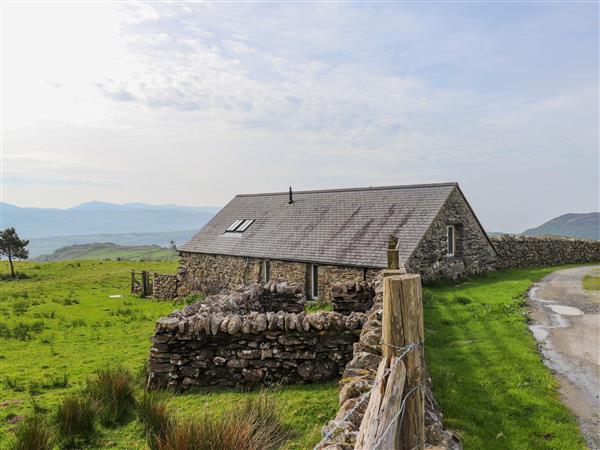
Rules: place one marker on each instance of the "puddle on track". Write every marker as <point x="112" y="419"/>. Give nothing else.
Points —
<point x="539" y="332"/>
<point x="565" y="310"/>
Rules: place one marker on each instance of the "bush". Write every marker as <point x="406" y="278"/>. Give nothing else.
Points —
<point x="253" y="425"/>
<point x="153" y="414"/>
<point x="112" y="391"/>
<point x="314" y="306"/>
<point x="74" y="420"/>
<point x="32" y="434"/>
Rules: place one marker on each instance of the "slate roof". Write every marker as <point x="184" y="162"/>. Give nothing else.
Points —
<point x="348" y="227"/>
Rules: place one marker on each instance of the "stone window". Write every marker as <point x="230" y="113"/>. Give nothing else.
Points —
<point x="451" y="240"/>
<point x="314" y="281"/>
<point x="266" y="271"/>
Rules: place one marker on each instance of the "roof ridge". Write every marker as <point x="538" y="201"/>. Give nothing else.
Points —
<point x="370" y="188"/>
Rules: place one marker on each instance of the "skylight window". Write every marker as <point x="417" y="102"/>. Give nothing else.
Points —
<point x="244" y="226"/>
<point x="239" y="226"/>
<point x="234" y="225"/>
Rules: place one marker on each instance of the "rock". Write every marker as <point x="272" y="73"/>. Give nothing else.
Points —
<point x="219" y="361"/>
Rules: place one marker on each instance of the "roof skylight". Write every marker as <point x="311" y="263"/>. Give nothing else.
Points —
<point x="239" y="226"/>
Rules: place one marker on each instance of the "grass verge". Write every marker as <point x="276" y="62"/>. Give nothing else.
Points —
<point x="487" y="374"/>
<point x="591" y="282"/>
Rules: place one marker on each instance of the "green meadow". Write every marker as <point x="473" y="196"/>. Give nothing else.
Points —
<point x="68" y="319"/>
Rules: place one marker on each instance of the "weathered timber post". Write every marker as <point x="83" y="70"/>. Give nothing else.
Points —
<point x="144" y="283"/>
<point x="393" y="255"/>
<point x="398" y="378"/>
<point x="132" y="282"/>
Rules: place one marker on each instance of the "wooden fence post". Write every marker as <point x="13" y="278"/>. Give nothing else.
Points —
<point x="132" y="282"/>
<point x="398" y="379"/>
<point x="393" y="255"/>
<point x="144" y="283"/>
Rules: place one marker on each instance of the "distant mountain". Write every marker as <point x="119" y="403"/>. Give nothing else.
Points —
<point x="107" y="250"/>
<point x="586" y="225"/>
<point x="46" y="245"/>
<point x="101" y="218"/>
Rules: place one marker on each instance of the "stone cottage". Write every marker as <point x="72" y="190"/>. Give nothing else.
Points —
<point x="320" y="237"/>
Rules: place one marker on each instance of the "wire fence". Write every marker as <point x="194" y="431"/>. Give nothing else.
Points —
<point x="405" y="350"/>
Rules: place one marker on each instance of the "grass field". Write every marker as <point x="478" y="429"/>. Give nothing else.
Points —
<point x="75" y="327"/>
<point x="110" y="251"/>
<point x="494" y="390"/>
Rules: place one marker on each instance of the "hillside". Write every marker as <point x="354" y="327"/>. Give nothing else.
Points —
<point x="45" y="245"/>
<point x="100" y="218"/>
<point x="107" y="250"/>
<point x="585" y="225"/>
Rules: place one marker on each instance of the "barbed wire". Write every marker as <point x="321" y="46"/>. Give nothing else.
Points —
<point x="363" y="397"/>
<point x="400" y="415"/>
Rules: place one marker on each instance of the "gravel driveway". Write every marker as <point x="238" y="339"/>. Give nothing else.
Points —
<point x="566" y="322"/>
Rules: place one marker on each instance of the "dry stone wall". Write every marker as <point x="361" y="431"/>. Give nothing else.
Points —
<point x="226" y="341"/>
<point x="330" y="275"/>
<point x="209" y="274"/>
<point x="164" y="286"/>
<point x="352" y="296"/>
<point x="358" y="378"/>
<point x="523" y="251"/>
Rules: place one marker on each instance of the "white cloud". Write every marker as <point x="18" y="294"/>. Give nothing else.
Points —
<point x="192" y="103"/>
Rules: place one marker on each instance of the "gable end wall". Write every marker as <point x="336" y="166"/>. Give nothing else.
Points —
<point x="474" y="254"/>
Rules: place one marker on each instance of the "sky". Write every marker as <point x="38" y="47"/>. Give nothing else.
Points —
<point x="193" y="103"/>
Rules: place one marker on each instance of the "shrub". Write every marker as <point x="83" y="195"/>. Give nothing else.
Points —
<point x="192" y="298"/>
<point x="32" y="434"/>
<point x="153" y="414"/>
<point x="112" y="391"/>
<point x="253" y="425"/>
<point x="75" y="421"/>
<point x="314" y="306"/>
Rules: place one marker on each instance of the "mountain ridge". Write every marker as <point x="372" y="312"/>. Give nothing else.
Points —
<point x="103" y="218"/>
<point x="577" y="225"/>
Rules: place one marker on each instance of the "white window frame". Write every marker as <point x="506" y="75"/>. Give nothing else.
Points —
<point x="450" y="230"/>
<point x="234" y="226"/>
<point x="266" y="270"/>
<point x="314" y="288"/>
<point x="244" y="225"/>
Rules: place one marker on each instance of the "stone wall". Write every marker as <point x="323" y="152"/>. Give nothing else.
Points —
<point x="329" y="275"/>
<point x="358" y="378"/>
<point x="164" y="286"/>
<point x="523" y="251"/>
<point x="208" y="274"/>
<point x="224" y="341"/>
<point x="473" y="252"/>
<point x="350" y="296"/>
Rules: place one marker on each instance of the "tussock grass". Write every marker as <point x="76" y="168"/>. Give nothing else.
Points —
<point x="155" y="417"/>
<point x="75" y="421"/>
<point x="112" y="390"/>
<point x="33" y="433"/>
<point x="254" y="425"/>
